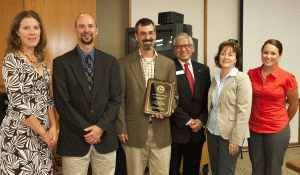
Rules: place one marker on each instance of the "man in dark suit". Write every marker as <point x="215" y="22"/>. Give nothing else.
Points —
<point x="87" y="95"/>
<point x="193" y="82"/>
<point x="144" y="137"/>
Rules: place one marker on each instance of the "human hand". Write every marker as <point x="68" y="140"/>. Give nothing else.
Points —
<point x="94" y="136"/>
<point x="47" y="137"/>
<point x="159" y="116"/>
<point x="195" y="125"/>
<point x="53" y="133"/>
<point x="123" y="137"/>
<point x="233" y="149"/>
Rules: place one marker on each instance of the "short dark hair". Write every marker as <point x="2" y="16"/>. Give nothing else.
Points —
<point x="275" y="43"/>
<point x="235" y="47"/>
<point x="143" y="22"/>
<point x="12" y="40"/>
<point x="84" y="14"/>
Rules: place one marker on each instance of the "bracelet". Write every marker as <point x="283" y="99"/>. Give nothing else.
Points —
<point x="45" y="136"/>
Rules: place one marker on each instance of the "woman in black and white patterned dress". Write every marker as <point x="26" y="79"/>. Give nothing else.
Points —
<point x="28" y="130"/>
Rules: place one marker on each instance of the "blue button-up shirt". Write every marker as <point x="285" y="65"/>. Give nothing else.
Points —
<point x="83" y="55"/>
<point x="213" y="121"/>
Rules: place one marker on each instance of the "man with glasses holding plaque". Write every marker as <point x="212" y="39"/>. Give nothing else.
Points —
<point x="145" y="138"/>
<point x="193" y="82"/>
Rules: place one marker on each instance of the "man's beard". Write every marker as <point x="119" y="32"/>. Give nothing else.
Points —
<point x="147" y="46"/>
<point x="88" y="41"/>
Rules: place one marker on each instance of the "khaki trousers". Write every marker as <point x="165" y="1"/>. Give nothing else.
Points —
<point x="158" y="158"/>
<point x="102" y="164"/>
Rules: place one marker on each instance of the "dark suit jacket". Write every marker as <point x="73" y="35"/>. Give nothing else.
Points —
<point x="131" y="119"/>
<point x="190" y="107"/>
<point x="78" y="109"/>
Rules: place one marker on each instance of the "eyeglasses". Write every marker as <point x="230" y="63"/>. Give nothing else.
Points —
<point x="186" y="46"/>
<point x="144" y="34"/>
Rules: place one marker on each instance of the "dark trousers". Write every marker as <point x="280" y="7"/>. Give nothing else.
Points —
<point x="121" y="168"/>
<point x="220" y="160"/>
<point x="267" y="151"/>
<point x="191" y="154"/>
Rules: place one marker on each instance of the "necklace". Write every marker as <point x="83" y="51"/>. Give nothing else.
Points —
<point x="262" y="72"/>
<point x="36" y="63"/>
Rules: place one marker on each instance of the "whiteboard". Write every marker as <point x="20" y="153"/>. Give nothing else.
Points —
<point x="273" y="19"/>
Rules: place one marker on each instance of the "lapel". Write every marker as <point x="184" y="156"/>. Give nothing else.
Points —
<point x="98" y="71"/>
<point x="211" y="89"/>
<point x="196" y="79"/>
<point x="183" y="78"/>
<point x="78" y="70"/>
<point x="137" y="70"/>
<point x="159" y="68"/>
<point x="226" y="86"/>
<point x="223" y="92"/>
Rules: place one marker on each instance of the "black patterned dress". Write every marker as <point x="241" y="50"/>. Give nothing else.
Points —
<point x="21" y="151"/>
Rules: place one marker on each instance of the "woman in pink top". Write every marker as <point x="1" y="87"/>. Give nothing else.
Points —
<point x="269" y="120"/>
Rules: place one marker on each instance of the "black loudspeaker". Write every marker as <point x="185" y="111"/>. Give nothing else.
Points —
<point x="194" y="57"/>
<point x="170" y="18"/>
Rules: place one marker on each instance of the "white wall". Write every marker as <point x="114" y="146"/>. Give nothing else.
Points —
<point x="193" y="11"/>
<point x="222" y="24"/>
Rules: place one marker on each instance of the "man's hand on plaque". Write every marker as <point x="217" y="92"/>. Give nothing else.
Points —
<point x="159" y="116"/>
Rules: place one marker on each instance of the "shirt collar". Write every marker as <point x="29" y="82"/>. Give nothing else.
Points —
<point x="232" y="73"/>
<point x="274" y="73"/>
<point x="154" y="57"/>
<point x="83" y="54"/>
<point x="182" y="62"/>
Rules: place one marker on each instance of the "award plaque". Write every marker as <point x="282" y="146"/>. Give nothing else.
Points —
<point x="159" y="96"/>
